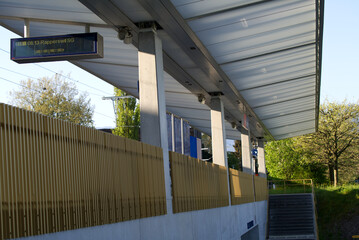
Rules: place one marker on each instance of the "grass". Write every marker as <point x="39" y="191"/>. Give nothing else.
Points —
<point x="338" y="212"/>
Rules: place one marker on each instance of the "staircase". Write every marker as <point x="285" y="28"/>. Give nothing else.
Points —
<point x="291" y="216"/>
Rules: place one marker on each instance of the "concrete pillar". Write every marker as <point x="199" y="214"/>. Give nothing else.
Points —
<point x="261" y="159"/>
<point x="152" y="100"/>
<point x="247" y="163"/>
<point x="218" y="133"/>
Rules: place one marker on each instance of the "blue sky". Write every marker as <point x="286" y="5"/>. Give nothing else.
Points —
<point x="340" y="78"/>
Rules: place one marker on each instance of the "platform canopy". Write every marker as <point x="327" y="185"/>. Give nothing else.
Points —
<point x="263" y="57"/>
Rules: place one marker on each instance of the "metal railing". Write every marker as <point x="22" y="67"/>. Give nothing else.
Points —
<point x="290" y="186"/>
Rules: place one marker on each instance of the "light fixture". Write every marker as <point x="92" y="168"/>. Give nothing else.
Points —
<point x="122" y="33"/>
<point x="128" y="38"/>
<point x="125" y="35"/>
<point x="201" y="98"/>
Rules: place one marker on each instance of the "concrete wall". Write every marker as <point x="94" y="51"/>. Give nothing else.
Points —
<point x="226" y="223"/>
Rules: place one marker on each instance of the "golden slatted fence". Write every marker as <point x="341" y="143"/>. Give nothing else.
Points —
<point x="241" y="186"/>
<point x="261" y="188"/>
<point x="57" y="176"/>
<point x="197" y="184"/>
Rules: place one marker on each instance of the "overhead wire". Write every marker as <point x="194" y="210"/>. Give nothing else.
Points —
<point x="92" y="93"/>
<point x="7" y="80"/>
<point x="21" y="85"/>
<point x="71" y="79"/>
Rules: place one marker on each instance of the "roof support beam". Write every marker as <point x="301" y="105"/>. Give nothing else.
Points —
<point x="176" y="27"/>
<point x="41" y="20"/>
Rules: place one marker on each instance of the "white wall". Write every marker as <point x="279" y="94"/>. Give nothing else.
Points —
<point x="226" y="223"/>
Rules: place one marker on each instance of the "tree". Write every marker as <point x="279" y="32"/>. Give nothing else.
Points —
<point x="238" y="153"/>
<point x="335" y="143"/>
<point x="283" y="160"/>
<point x="207" y="142"/>
<point x="233" y="161"/>
<point x="334" y="147"/>
<point x="54" y="97"/>
<point x="127" y="116"/>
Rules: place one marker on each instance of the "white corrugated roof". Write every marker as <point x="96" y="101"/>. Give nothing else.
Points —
<point x="263" y="57"/>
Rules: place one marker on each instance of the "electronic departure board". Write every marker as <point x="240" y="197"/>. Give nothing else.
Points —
<point x="57" y="48"/>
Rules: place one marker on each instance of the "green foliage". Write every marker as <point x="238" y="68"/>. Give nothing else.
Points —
<point x="331" y="154"/>
<point x="233" y="161"/>
<point x="336" y="142"/>
<point x="128" y="116"/>
<point x="283" y="160"/>
<point x="238" y="153"/>
<point x="54" y="97"/>
<point x="338" y="211"/>
<point x="207" y="142"/>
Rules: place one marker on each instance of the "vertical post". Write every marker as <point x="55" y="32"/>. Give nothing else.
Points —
<point x="218" y="132"/>
<point x="246" y="150"/>
<point x="173" y="133"/>
<point x="87" y="28"/>
<point x="182" y="137"/>
<point x="261" y="159"/>
<point x="152" y="100"/>
<point x="26" y="28"/>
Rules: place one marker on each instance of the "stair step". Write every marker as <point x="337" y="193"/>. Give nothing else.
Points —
<point x="291" y="217"/>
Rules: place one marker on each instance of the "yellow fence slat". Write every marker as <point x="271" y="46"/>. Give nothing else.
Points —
<point x="161" y="183"/>
<point x="196" y="184"/>
<point x="2" y="160"/>
<point x="173" y="174"/>
<point x="261" y="188"/>
<point x="5" y="179"/>
<point x="130" y="183"/>
<point x="242" y="189"/>
<point x="57" y="176"/>
<point x="141" y="180"/>
<point x="156" y="177"/>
